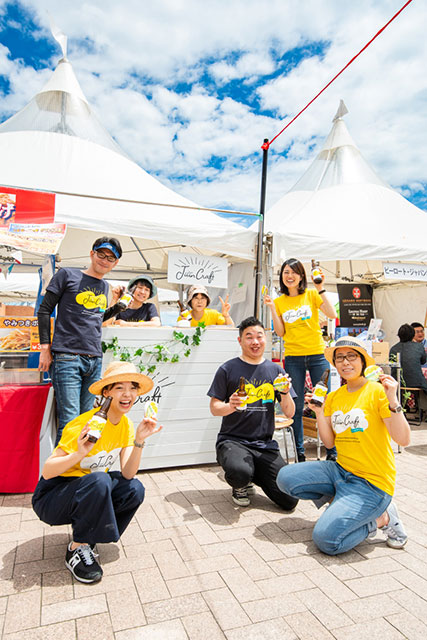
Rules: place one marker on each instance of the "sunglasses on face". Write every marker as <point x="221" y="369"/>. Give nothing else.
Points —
<point x="105" y="256"/>
<point x="351" y="357"/>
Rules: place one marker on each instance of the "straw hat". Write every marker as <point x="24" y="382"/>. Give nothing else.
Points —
<point x="352" y="343"/>
<point x="122" y="372"/>
<point x="194" y="290"/>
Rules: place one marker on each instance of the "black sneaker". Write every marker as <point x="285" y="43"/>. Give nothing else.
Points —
<point x="331" y="456"/>
<point x="82" y="564"/>
<point x="240" y="497"/>
<point x="301" y="456"/>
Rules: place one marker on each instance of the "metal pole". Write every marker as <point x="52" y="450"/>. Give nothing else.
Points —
<point x="258" y="274"/>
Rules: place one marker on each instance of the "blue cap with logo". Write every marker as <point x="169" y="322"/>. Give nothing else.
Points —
<point x="108" y="245"/>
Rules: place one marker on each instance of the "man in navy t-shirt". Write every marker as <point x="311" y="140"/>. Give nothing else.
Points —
<point x="75" y="355"/>
<point x="245" y="446"/>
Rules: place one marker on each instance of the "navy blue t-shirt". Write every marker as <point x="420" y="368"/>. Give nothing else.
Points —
<point x="80" y="311"/>
<point x="147" y="312"/>
<point x="255" y="425"/>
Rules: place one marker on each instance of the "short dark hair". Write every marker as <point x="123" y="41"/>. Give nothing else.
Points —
<point x="112" y="241"/>
<point x="249" y="322"/>
<point x="298" y="267"/>
<point x="146" y="283"/>
<point x="417" y="325"/>
<point x="108" y="387"/>
<point x="406" y="333"/>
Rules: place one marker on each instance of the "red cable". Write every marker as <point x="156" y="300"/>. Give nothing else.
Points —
<point x="266" y="145"/>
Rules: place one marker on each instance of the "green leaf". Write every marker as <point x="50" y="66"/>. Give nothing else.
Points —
<point x="187" y="353"/>
<point x="186" y="340"/>
<point x="151" y="369"/>
<point x="175" y="358"/>
<point x="139" y="352"/>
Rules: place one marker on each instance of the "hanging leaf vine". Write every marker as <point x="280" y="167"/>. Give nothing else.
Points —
<point x="147" y="358"/>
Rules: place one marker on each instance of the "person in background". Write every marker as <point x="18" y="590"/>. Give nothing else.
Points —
<point x="360" y="418"/>
<point x="139" y="313"/>
<point x="245" y="447"/>
<point x="74" y="356"/>
<point x="77" y="486"/>
<point x="420" y="337"/>
<point x="412" y="357"/>
<point x="198" y="300"/>
<point x="295" y="317"/>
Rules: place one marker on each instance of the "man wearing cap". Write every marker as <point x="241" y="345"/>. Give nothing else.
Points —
<point x="139" y="313"/>
<point x="198" y="300"/>
<point x="74" y="356"/>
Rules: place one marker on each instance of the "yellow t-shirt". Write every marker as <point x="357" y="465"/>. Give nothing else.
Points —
<point x="209" y="317"/>
<point x="361" y="437"/>
<point x="114" y="437"/>
<point x="300" y="315"/>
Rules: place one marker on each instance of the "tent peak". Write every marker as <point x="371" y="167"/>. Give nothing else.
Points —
<point x="341" y="111"/>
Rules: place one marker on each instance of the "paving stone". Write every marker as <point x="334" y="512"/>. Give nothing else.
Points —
<point x="307" y="627"/>
<point x="226" y="609"/>
<point x="150" y="585"/>
<point x="202" y="626"/>
<point x="174" y="608"/>
<point x="411" y="627"/>
<point x="269" y="630"/>
<point x="195" y="584"/>
<point x="72" y="609"/>
<point x="371" y="607"/>
<point x="325" y="610"/>
<point x="23" y="611"/>
<point x="373" y="584"/>
<point x="171" y="630"/>
<point x="125" y="609"/>
<point x="372" y="629"/>
<point x="94" y="627"/>
<point x="65" y="630"/>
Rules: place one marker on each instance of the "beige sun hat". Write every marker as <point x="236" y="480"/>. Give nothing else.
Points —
<point x="194" y="290"/>
<point x="351" y="343"/>
<point x="122" y="372"/>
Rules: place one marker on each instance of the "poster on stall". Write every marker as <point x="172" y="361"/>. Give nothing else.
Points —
<point x="355" y="302"/>
<point x="191" y="268"/>
<point x="20" y="334"/>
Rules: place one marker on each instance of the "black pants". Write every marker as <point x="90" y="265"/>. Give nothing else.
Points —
<point x="99" y="506"/>
<point x="243" y="464"/>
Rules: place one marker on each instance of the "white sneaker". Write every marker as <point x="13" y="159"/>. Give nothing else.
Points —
<point x="240" y="497"/>
<point x="250" y="488"/>
<point x="396" y="534"/>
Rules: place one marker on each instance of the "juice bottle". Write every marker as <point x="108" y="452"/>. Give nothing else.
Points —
<point x="242" y="394"/>
<point x="98" y="420"/>
<point x="316" y="272"/>
<point x="321" y="389"/>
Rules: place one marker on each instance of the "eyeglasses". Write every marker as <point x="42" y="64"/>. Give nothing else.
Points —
<point x="105" y="256"/>
<point x="351" y="357"/>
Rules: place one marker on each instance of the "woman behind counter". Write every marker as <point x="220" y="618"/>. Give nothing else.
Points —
<point x="139" y="313"/>
<point x="198" y="300"/>
<point x="295" y="317"/>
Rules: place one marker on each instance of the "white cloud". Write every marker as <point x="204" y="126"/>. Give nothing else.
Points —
<point x="129" y="57"/>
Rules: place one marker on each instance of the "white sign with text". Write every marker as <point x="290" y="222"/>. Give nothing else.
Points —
<point x="190" y="268"/>
<point x="398" y="271"/>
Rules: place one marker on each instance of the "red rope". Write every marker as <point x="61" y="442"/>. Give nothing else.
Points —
<point x="266" y="145"/>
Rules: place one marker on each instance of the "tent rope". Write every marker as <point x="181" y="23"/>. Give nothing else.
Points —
<point x="266" y="144"/>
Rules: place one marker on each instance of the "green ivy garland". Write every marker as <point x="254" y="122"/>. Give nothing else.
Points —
<point x="147" y="358"/>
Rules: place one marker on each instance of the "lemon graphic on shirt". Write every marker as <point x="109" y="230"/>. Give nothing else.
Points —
<point x="89" y="300"/>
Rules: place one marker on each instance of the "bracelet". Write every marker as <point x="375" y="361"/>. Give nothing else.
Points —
<point x="321" y="291"/>
<point x="139" y="445"/>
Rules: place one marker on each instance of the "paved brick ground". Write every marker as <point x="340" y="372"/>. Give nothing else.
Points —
<point x="193" y="566"/>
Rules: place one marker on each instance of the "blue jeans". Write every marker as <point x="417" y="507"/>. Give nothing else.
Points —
<point x="356" y="502"/>
<point x="297" y="366"/>
<point x="72" y="375"/>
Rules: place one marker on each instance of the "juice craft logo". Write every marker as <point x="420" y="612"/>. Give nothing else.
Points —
<point x="353" y="419"/>
<point x="257" y="390"/>
<point x="302" y="313"/>
<point x="101" y="460"/>
<point x="91" y="300"/>
<point x="161" y="382"/>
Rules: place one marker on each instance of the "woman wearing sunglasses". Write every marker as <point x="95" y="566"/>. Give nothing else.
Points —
<point x="360" y="418"/>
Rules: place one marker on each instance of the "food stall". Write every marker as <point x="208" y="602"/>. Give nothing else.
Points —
<point x="26" y="403"/>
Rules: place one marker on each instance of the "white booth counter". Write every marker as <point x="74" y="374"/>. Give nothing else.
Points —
<point x="189" y="430"/>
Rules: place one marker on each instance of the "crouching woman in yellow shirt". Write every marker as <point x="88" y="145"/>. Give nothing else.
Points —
<point x="198" y="300"/>
<point x="71" y="490"/>
<point x="360" y="418"/>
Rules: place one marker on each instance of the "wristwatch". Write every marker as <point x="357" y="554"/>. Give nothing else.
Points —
<point x="396" y="409"/>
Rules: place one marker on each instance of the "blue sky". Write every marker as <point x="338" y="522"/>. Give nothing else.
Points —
<point x="190" y="89"/>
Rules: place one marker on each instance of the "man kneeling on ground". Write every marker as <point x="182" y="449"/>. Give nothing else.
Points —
<point x="245" y="448"/>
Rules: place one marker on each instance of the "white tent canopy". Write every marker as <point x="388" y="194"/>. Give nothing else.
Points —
<point x="56" y="144"/>
<point x="341" y="210"/>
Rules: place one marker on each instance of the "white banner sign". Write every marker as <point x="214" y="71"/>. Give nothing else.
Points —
<point x="190" y="268"/>
<point x="398" y="271"/>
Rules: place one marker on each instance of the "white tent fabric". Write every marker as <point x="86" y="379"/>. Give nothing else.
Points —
<point x="56" y="144"/>
<point x="341" y="210"/>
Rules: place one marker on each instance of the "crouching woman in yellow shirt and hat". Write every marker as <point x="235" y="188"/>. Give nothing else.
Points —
<point x="359" y="418"/>
<point x="198" y="300"/>
<point x="77" y="486"/>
